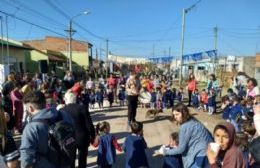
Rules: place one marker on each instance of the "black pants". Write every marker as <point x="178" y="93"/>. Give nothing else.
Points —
<point x="132" y="106"/>
<point x="82" y="157"/>
<point x="190" y="93"/>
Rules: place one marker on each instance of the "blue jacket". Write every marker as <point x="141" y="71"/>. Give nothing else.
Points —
<point x="212" y="100"/>
<point x="153" y="97"/>
<point x="134" y="148"/>
<point x="235" y="112"/>
<point x="195" y="99"/>
<point x="226" y="111"/>
<point x="193" y="142"/>
<point x="172" y="161"/>
<point x="99" y="96"/>
<point x="106" y="151"/>
<point x="34" y="142"/>
<point x="180" y="96"/>
<point x="121" y="95"/>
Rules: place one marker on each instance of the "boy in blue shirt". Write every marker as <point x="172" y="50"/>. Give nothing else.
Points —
<point x="135" y="146"/>
<point x="195" y="98"/>
<point x="235" y="113"/>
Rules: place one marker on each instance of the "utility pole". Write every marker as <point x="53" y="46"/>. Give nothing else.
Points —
<point x="215" y="46"/>
<point x="182" y="43"/>
<point x="70" y="45"/>
<point x="2" y="40"/>
<point x="184" y="12"/>
<point x="7" y="41"/>
<point x="107" y="62"/>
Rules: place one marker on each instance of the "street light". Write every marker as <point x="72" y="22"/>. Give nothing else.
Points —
<point x="70" y="36"/>
<point x="184" y="12"/>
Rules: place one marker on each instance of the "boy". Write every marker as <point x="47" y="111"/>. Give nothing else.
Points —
<point x="135" y="146"/>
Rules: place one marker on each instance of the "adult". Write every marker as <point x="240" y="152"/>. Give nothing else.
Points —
<point x="90" y="85"/>
<point x="8" y="86"/>
<point x="112" y="84"/>
<point x="16" y="97"/>
<point x="8" y="147"/>
<point x="132" y="89"/>
<point x="85" y="131"/>
<point x="228" y="155"/>
<point x="34" y="141"/>
<point x="193" y="139"/>
<point x="191" y="87"/>
<point x="213" y="83"/>
<point x="252" y="89"/>
<point x="68" y="80"/>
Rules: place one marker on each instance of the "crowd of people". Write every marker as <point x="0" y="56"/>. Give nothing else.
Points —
<point x="36" y="107"/>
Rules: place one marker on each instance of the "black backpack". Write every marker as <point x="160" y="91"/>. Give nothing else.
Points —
<point x="61" y="141"/>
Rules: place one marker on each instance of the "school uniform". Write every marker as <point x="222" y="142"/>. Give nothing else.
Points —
<point x="107" y="151"/>
<point x="172" y="161"/>
<point x="134" y="148"/>
<point x="234" y="115"/>
<point x="195" y="100"/>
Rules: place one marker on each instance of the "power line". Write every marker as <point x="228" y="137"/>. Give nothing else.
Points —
<point x="22" y="6"/>
<point x="60" y="11"/>
<point x="28" y="22"/>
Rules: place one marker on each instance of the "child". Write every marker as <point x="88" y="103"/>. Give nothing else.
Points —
<point x="135" y="146"/>
<point x="173" y="161"/>
<point x="121" y="96"/>
<point x="110" y="97"/>
<point x="248" y="128"/>
<point x="153" y="99"/>
<point x="107" y="146"/>
<point x="173" y="97"/>
<point x="195" y="98"/>
<point x="99" y="98"/>
<point x="225" y="106"/>
<point x="92" y="99"/>
<point x="235" y="113"/>
<point x="211" y="101"/>
<point x="241" y="141"/>
<point x="168" y="97"/>
<point x="204" y="99"/>
<point x="180" y="94"/>
<point x="159" y="99"/>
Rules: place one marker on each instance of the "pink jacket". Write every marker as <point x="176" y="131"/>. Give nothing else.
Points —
<point x="192" y="85"/>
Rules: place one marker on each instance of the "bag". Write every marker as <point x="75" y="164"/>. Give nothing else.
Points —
<point x="61" y="141"/>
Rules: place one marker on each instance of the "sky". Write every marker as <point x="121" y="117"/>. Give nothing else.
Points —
<point x="141" y="28"/>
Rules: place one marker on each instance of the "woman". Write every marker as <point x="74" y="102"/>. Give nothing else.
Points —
<point x="16" y="97"/>
<point x="193" y="139"/>
<point x="8" y="147"/>
<point x="213" y="83"/>
<point x="132" y="89"/>
<point x="228" y="155"/>
<point x="252" y="89"/>
<point x="191" y="86"/>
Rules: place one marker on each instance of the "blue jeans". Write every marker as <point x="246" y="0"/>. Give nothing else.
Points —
<point x="200" y="162"/>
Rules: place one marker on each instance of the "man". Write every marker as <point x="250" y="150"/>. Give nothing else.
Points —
<point x="34" y="143"/>
<point x="85" y="131"/>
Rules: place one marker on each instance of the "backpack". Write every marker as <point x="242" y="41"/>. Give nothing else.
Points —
<point x="61" y="141"/>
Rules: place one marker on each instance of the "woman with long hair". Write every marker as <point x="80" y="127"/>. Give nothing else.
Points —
<point x="193" y="139"/>
<point x="191" y="87"/>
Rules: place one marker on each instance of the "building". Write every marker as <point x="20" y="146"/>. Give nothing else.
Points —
<point x="257" y="67"/>
<point x="56" y="47"/>
<point x="226" y="64"/>
<point x="12" y="52"/>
